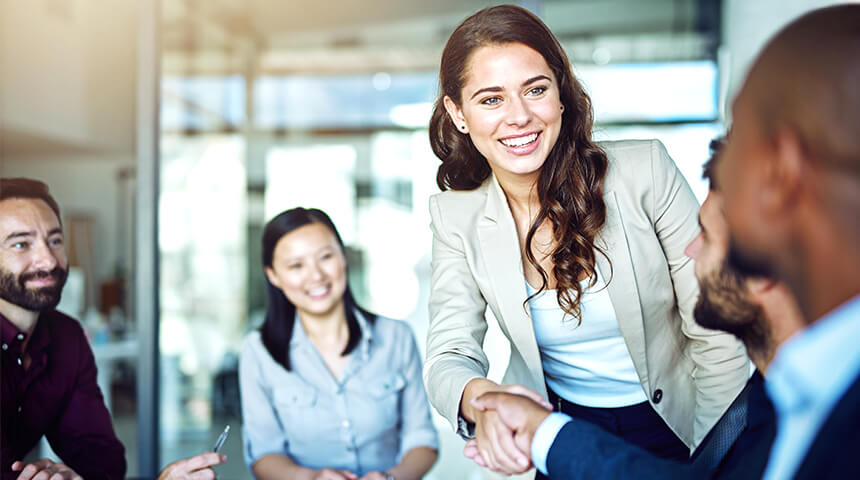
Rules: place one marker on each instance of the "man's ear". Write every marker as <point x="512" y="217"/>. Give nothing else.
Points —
<point x="456" y="114"/>
<point x="758" y="286"/>
<point x="785" y="172"/>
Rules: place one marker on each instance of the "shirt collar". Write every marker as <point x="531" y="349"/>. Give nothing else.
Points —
<point x="816" y="359"/>
<point x="12" y="337"/>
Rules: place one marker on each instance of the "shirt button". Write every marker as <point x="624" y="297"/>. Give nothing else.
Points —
<point x="5" y="347"/>
<point x="658" y="395"/>
<point x="19" y="409"/>
<point x="19" y="361"/>
<point x="20" y="336"/>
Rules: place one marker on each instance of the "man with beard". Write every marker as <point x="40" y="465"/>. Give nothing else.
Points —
<point x="48" y="371"/>
<point x="791" y="179"/>
<point x="563" y="447"/>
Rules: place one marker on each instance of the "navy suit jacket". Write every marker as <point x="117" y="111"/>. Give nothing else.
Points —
<point x="584" y="450"/>
<point x="835" y="453"/>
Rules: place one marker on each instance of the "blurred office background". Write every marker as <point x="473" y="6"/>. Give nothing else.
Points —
<point x="170" y="131"/>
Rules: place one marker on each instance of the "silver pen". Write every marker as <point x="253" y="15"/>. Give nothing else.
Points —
<point x="221" y="439"/>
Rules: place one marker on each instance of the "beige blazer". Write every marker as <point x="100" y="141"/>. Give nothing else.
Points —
<point x="690" y="374"/>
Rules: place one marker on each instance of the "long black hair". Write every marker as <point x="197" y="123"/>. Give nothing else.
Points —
<point x="277" y="329"/>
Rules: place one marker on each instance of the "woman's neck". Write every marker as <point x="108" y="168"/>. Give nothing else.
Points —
<point x="329" y="329"/>
<point x="521" y="193"/>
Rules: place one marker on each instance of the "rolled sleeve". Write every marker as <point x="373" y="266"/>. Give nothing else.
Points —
<point x="262" y="431"/>
<point x="417" y="428"/>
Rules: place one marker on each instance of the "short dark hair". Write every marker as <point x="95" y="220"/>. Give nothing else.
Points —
<point x="716" y="148"/>
<point x="28" y="188"/>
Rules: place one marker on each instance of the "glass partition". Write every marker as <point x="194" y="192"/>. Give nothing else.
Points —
<point x="238" y="148"/>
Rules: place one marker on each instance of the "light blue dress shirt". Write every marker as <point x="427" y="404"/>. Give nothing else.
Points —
<point x="808" y="376"/>
<point x="363" y="422"/>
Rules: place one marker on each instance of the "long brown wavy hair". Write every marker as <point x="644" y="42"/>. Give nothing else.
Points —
<point x="570" y="183"/>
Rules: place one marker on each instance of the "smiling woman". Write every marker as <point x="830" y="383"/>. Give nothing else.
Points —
<point x="575" y="246"/>
<point x="329" y="390"/>
<point x="511" y="109"/>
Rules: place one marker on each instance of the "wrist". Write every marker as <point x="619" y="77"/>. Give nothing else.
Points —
<point x="474" y="389"/>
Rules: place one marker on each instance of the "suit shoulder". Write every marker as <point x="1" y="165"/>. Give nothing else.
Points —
<point x="628" y="153"/>
<point x="631" y="162"/>
<point x="840" y="432"/>
<point x="461" y="198"/>
<point x="459" y="209"/>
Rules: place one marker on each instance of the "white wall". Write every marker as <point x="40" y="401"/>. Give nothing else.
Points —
<point x="67" y="107"/>
<point x="68" y="71"/>
<point x="747" y="26"/>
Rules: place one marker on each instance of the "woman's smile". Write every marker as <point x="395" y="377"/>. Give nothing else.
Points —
<point x="521" y="144"/>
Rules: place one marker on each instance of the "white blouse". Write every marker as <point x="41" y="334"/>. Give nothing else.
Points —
<point x="585" y="363"/>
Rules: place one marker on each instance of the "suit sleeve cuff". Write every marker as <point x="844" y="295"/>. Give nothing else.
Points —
<point x="544" y="438"/>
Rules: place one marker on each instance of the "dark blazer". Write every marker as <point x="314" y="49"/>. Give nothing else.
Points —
<point x="583" y="450"/>
<point x="835" y="453"/>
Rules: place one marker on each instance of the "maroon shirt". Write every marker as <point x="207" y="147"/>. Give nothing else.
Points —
<point x="58" y="397"/>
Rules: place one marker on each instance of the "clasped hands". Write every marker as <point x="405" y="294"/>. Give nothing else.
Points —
<point x="506" y="418"/>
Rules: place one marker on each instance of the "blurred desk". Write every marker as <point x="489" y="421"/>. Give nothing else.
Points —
<point x="106" y="355"/>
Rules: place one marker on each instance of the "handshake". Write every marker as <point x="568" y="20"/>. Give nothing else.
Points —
<point x="506" y="419"/>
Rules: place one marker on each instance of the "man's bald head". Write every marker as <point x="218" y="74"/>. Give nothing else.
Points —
<point x="790" y="173"/>
<point x="807" y="79"/>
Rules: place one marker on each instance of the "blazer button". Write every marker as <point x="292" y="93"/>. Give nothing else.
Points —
<point x="658" y="395"/>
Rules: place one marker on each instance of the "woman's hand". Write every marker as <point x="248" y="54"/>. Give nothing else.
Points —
<point x="334" y="474"/>
<point x="495" y="440"/>
<point x="197" y="467"/>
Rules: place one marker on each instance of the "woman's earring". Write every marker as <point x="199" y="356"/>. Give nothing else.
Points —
<point x="561" y="108"/>
<point x="463" y="128"/>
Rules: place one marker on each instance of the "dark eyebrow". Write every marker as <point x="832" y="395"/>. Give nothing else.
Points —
<point x="15" y="235"/>
<point x="499" y="89"/>
<point x="487" y="89"/>
<point x="535" y="79"/>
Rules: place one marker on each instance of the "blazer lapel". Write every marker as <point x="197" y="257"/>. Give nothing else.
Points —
<point x="501" y="254"/>
<point x="622" y="284"/>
